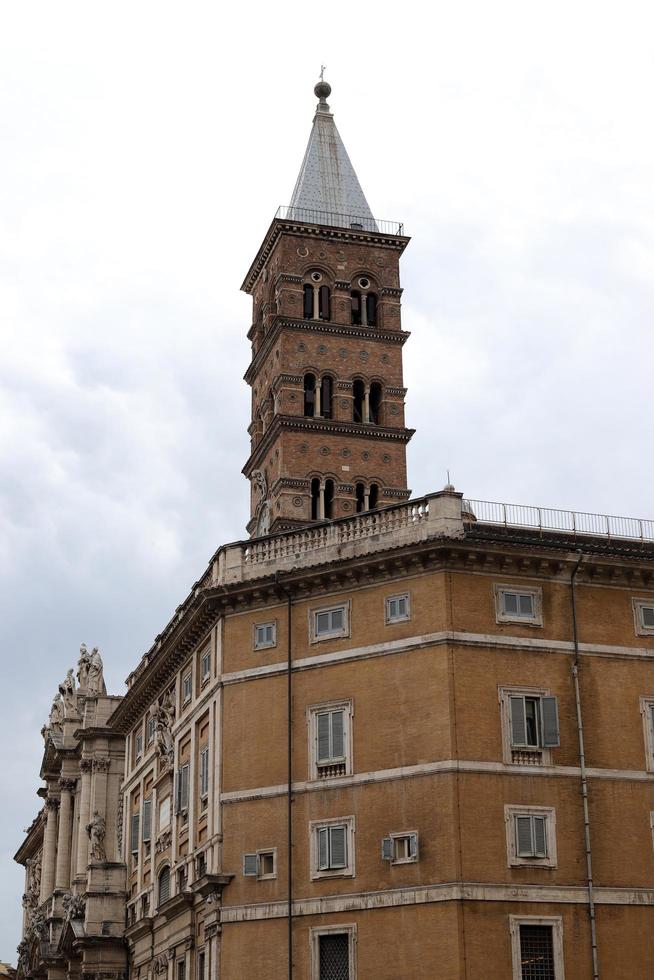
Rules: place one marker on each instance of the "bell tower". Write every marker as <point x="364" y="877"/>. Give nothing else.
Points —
<point x="328" y="435"/>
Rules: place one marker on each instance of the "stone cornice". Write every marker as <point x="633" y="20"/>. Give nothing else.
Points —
<point x="329" y="427"/>
<point x="279" y="226"/>
<point x="321" y="327"/>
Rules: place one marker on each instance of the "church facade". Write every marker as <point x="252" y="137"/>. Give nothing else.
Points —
<point x="383" y="736"/>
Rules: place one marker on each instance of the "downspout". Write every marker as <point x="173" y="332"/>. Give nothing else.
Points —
<point x="289" y="764"/>
<point x="584" y="777"/>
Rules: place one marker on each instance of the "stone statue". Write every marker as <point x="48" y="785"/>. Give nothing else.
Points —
<point x="259" y="483"/>
<point x="83" y="665"/>
<point x="57" y="712"/>
<point x="69" y="694"/>
<point x="163" y="723"/>
<point x="38" y="926"/>
<point x="96" y="830"/>
<point x="74" y="906"/>
<point x="95" y="679"/>
<point x="31" y="896"/>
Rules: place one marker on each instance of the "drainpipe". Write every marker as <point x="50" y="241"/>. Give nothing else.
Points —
<point x="289" y="763"/>
<point x="584" y="778"/>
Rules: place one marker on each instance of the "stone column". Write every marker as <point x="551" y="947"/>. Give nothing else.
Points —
<point x="364" y="309"/>
<point x="366" y="499"/>
<point x="65" y="835"/>
<point x="49" y="849"/>
<point x="316" y="303"/>
<point x="317" y="394"/>
<point x="366" y="403"/>
<point x="321" y="501"/>
<point x="171" y="964"/>
<point x="84" y="817"/>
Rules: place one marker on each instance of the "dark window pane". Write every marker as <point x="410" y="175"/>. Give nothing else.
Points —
<point x="537" y="953"/>
<point x="334" y="957"/>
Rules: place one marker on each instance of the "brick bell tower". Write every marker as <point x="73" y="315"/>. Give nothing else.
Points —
<point x="328" y="437"/>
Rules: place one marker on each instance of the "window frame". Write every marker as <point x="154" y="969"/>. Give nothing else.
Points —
<point x="258" y="855"/>
<point x="138" y="747"/>
<point x="150" y="730"/>
<point x="504" y="695"/>
<point x="647" y="712"/>
<point x="349" y="871"/>
<point x="343" y="631"/>
<point x="187" y="676"/>
<point x="203" y="776"/>
<point x="404" y="835"/>
<point x="501" y="616"/>
<point x="160" y="872"/>
<point x="313" y="711"/>
<point x="347" y="928"/>
<point x="556" y="924"/>
<point x="514" y="860"/>
<point x="638" y="604"/>
<point x="262" y="626"/>
<point x="388" y="618"/>
<point x="205" y="657"/>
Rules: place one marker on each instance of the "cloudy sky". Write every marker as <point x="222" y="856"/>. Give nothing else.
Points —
<point x="144" y="148"/>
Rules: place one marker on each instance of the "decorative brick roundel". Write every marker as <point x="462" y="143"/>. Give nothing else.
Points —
<point x="363" y="355"/>
<point x="302" y="347"/>
<point x="303" y="251"/>
<point x="385" y="359"/>
<point x="343" y="352"/>
<point x="303" y="447"/>
<point x="380" y="262"/>
<point x="340" y="256"/>
<point x="346" y="505"/>
<point x="395" y="409"/>
<point x="365" y="455"/>
<point x="325" y="450"/>
<point x="386" y="458"/>
<point x="292" y="397"/>
<point x="297" y="501"/>
<point x="345" y="453"/>
<point x="322" y="255"/>
<point x="344" y="403"/>
<point x="321" y="349"/>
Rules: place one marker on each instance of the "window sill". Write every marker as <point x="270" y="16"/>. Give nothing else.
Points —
<point x="340" y="873"/>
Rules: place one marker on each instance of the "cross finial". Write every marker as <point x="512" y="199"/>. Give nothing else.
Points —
<point x="323" y="69"/>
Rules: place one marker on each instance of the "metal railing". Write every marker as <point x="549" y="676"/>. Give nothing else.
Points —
<point x="546" y="519"/>
<point x="356" y="222"/>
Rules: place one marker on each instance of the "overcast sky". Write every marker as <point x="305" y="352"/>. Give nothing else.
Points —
<point x="144" y="148"/>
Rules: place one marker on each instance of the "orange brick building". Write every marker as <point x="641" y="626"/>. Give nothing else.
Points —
<point x="382" y="737"/>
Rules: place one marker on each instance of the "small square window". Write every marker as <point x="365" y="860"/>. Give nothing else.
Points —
<point x="187" y="688"/>
<point x="261" y="864"/>
<point x="397" y="608"/>
<point x="205" y="665"/>
<point x="265" y="636"/>
<point x="644" y="616"/>
<point x="530" y="836"/>
<point x="332" y="847"/>
<point x="325" y="624"/>
<point x="518" y="605"/>
<point x="400" y="848"/>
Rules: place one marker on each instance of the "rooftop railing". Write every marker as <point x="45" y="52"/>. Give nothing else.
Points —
<point x="356" y="222"/>
<point x="546" y="519"/>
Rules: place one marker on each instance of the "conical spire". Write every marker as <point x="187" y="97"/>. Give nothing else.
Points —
<point x="327" y="182"/>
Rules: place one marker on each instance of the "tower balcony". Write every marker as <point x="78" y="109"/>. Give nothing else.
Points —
<point x="332" y="219"/>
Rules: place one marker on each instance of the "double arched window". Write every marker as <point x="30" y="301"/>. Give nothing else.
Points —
<point x="318" y="396"/>
<point x="163" y="887"/>
<point x="363" y="300"/>
<point x="367" y="401"/>
<point x="322" y="499"/>
<point x="317" y="298"/>
<point x="367" y="498"/>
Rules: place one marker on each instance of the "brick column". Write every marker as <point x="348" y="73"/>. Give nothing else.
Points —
<point x="84" y="817"/>
<point x="65" y="835"/>
<point x="49" y="849"/>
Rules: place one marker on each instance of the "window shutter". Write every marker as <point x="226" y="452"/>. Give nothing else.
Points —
<point x="510" y="600"/>
<point x="323" y="848"/>
<point x="518" y="723"/>
<point x="413" y="845"/>
<point x="524" y="846"/>
<point x="204" y="772"/>
<point x="164" y="885"/>
<point x="550" y="722"/>
<point x="250" y="865"/>
<point x="526" y="605"/>
<point x="184" y="787"/>
<point x="134" y="835"/>
<point x="387" y="848"/>
<point x="540" y="837"/>
<point x="323" y="737"/>
<point x="178" y="786"/>
<point x="337" y="619"/>
<point x="147" y="820"/>
<point x="338" y="847"/>
<point x="338" y="735"/>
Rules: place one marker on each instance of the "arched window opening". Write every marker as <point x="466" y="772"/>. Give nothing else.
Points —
<point x="308" y="301"/>
<point x="375" y="402"/>
<point x="315" y="498"/>
<point x="326" y="397"/>
<point x="361" y="501"/>
<point x="329" y="498"/>
<point x="164" y="885"/>
<point x="358" y="390"/>
<point x="355" y="300"/>
<point x="373" y="497"/>
<point x="371" y="309"/>
<point x="323" y="303"/>
<point x="309" y="395"/>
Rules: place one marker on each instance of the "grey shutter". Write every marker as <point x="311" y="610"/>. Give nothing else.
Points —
<point x="510" y="602"/>
<point x="338" y="735"/>
<point x="250" y="865"/>
<point x="387" y="848"/>
<point x="524" y="846"/>
<point x="413" y="845"/>
<point x="147" y="820"/>
<point x="323" y="737"/>
<point x="648" y="616"/>
<point x="183" y="795"/>
<point x="178" y="787"/>
<point x="134" y="835"/>
<point x="540" y="837"/>
<point x="204" y="772"/>
<point x="518" y="724"/>
<point x="338" y="847"/>
<point x="164" y="886"/>
<point x="526" y="606"/>
<point x="323" y="848"/>
<point x="550" y="722"/>
<point x="337" y="619"/>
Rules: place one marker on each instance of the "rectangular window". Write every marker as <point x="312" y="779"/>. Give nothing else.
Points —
<point x="164" y="813"/>
<point x="330" y="733"/>
<point x="138" y="745"/>
<point x="518" y="605"/>
<point x="181" y="792"/>
<point x="332" y="847"/>
<point x="265" y="635"/>
<point x="333" y="953"/>
<point x="400" y="848"/>
<point x="644" y="616"/>
<point x="181" y="969"/>
<point x="530" y="836"/>
<point x="204" y="773"/>
<point x="187" y="688"/>
<point x="647" y="712"/>
<point x="261" y="864"/>
<point x="201" y="965"/>
<point x="147" y="821"/>
<point x="536" y="947"/>
<point x="201" y="865"/>
<point x="325" y="624"/>
<point x="150" y="727"/>
<point x="397" y="608"/>
<point x="530" y="721"/>
<point x="205" y="665"/>
<point x="182" y="879"/>
<point x="134" y="834"/>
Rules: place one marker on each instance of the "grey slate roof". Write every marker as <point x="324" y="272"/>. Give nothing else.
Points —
<point x="327" y="182"/>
